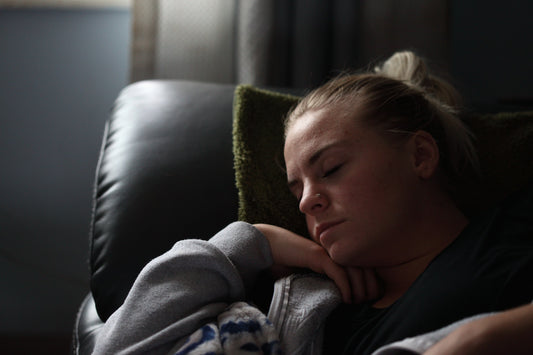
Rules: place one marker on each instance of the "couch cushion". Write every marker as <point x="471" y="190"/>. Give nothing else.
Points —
<point x="264" y="196"/>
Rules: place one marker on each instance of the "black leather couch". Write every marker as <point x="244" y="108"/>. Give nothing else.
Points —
<point x="165" y="173"/>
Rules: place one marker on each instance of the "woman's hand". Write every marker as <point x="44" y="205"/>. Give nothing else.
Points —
<point x="292" y="250"/>
<point x="365" y="285"/>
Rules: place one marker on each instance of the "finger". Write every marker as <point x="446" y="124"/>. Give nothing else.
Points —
<point x="291" y="250"/>
<point x="374" y="289"/>
<point x="322" y="263"/>
<point x="357" y="283"/>
<point x="340" y="277"/>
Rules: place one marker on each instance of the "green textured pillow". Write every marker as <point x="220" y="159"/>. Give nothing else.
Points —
<point x="504" y="142"/>
<point x="264" y="196"/>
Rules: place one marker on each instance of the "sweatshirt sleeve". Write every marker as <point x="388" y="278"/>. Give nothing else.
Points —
<point x="183" y="289"/>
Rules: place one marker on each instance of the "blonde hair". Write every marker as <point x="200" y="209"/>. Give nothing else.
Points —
<point x="401" y="96"/>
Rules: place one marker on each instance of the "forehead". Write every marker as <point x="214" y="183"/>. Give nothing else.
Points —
<point x="315" y="130"/>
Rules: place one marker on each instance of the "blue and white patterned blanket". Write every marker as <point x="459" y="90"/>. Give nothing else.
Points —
<point x="241" y="329"/>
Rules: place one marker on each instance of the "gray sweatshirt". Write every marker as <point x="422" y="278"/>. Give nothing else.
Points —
<point x="193" y="283"/>
<point x="183" y="289"/>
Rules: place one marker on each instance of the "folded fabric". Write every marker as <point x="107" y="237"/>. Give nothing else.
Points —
<point x="300" y="305"/>
<point x="241" y="329"/>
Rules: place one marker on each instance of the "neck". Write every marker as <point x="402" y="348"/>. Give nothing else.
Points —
<point x="397" y="279"/>
<point x="440" y="229"/>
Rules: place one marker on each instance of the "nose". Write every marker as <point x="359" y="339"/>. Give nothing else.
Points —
<point x="313" y="203"/>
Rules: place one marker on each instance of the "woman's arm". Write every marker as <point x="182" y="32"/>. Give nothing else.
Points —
<point x="508" y="332"/>
<point x="183" y="289"/>
<point x="291" y="250"/>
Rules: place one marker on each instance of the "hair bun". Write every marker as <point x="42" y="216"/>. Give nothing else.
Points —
<point x="406" y="66"/>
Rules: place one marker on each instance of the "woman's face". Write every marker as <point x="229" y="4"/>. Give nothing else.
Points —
<point x="357" y="190"/>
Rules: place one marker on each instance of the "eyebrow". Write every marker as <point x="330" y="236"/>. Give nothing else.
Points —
<point x="314" y="158"/>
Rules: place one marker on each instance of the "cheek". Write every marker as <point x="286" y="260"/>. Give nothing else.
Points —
<point x="374" y="189"/>
<point x="362" y="188"/>
<point x="389" y="177"/>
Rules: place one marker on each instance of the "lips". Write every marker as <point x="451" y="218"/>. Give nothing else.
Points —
<point x="323" y="227"/>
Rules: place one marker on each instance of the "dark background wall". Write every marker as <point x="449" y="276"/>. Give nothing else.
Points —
<point x="491" y="53"/>
<point x="60" y="71"/>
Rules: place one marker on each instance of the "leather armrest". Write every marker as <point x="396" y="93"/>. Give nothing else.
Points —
<point x="88" y="323"/>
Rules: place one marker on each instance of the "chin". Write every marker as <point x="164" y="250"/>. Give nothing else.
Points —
<point x="339" y="256"/>
<point x="347" y="258"/>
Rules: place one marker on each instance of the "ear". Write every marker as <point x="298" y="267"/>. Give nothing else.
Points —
<point x="425" y="154"/>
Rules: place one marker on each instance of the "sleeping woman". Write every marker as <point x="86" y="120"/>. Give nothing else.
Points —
<point x="393" y="262"/>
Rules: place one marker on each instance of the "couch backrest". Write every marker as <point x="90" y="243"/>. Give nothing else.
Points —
<point x="165" y="173"/>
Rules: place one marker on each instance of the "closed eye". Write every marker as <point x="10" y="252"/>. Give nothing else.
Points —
<point x="332" y="171"/>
